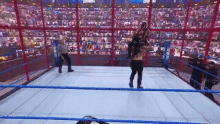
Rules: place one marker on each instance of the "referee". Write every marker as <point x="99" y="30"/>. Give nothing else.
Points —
<point x="62" y="50"/>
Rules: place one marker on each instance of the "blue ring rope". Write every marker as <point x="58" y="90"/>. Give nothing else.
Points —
<point x="52" y="54"/>
<point x="105" y="88"/>
<point x="97" y="120"/>
<point x="194" y="67"/>
<point x="24" y="64"/>
<point x="209" y="57"/>
<point x="115" y="59"/>
<point x="193" y="80"/>
<point x="187" y="76"/>
<point x="8" y="54"/>
<point x="29" y="75"/>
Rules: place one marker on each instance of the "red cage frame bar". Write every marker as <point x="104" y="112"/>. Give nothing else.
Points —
<point x="78" y="34"/>
<point x="112" y="29"/>
<point x="45" y="37"/>
<point x="184" y="36"/>
<point x="148" y="26"/>
<point x="21" y="39"/>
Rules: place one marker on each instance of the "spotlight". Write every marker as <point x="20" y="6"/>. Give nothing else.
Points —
<point x="162" y="6"/>
<point x="215" y="1"/>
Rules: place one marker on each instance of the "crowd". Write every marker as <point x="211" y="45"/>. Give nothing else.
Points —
<point x="10" y="43"/>
<point x="30" y="15"/>
<point x="168" y="18"/>
<point x="217" y="23"/>
<point x="197" y="35"/>
<point x="100" y="42"/>
<point x="197" y="47"/>
<point x="59" y="17"/>
<point x="7" y="14"/>
<point x="201" y="16"/>
<point x="95" y="17"/>
<point x="126" y="17"/>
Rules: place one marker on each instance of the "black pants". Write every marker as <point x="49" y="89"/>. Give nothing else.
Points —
<point x="136" y="66"/>
<point x="209" y="85"/>
<point x="193" y="82"/>
<point x="67" y="58"/>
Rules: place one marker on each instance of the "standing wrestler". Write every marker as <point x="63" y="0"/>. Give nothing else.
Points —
<point x="136" y="51"/>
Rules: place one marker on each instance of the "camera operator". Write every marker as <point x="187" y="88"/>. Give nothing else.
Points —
<point x="211" y="80"/>
<point x="197" y="75"/>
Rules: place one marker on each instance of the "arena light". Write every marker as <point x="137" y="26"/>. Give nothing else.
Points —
<point x="105" y="6"/>
<point x="148" y="6"/>
<point x="162" y="6"/>
<point x="178" y="5"/>
<point x="119" y="6"/>
<point x="63" y="5"/>
<point x="49" y="5"/>
<point x="196" y="4"/>
<point x="215" y="1"/>
<point x="34" y="4"/>
<point x="91" y="6"/>
<point x="133" y="6"/>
